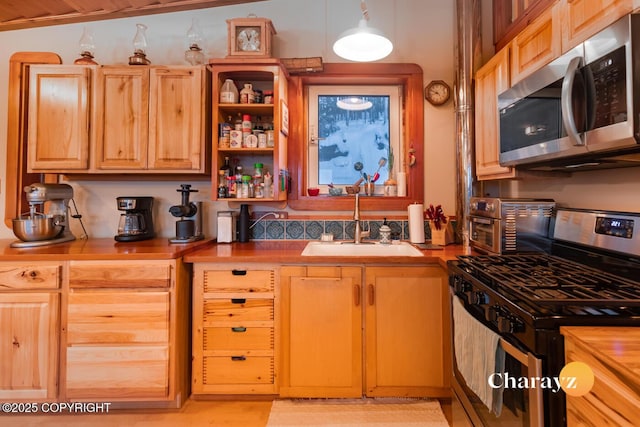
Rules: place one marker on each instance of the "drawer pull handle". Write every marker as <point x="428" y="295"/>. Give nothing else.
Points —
<point x="238" y="358"/>
<point x="239" y="272"/>
<point x="239" y="329"/>
<point x="238" y="300"/>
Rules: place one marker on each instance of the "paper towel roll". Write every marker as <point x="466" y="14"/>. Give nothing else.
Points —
<point x="402" y="184"/>
<point x="416" y="223"/>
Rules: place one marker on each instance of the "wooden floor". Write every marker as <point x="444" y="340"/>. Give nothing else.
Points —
<point x="192" y="414"/>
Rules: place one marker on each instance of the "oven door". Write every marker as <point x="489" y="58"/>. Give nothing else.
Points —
<point x="521" y="407"/>
<point x="485" y="234"/>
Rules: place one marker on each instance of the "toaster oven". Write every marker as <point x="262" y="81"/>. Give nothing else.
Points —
<point x="500" y="225"/>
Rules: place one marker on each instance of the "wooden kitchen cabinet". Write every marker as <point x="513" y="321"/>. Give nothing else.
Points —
<point x="538" y="44"/>
<point x="266" y="74"/>
<point x="321" y="331"/>
<point x="491" y="80"/>
<point x="152" y="119"/>
<point x="60" y="117"/>
<point x="118" y="119"/>
<point x="407" y="350"/>
<point x="127" y="331"/>
<point x="234" y="330"/>
<point x="583" y="18"/>
<point x="405" y="346"/>
<point x="30" y="330"/>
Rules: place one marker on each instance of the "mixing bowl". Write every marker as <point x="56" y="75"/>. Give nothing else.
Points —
<point x="39" y="228"/>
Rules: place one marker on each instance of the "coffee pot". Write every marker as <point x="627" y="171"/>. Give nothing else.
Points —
<point x="136" y="223"/>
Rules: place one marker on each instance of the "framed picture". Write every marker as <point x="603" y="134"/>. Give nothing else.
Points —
<point x="284" y="117"/>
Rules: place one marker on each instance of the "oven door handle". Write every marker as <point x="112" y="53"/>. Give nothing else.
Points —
<point x="482" y="221"/>
<point x="534" y="367"/>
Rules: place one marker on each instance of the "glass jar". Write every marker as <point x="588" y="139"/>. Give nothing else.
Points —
<point x="244" y="193"/>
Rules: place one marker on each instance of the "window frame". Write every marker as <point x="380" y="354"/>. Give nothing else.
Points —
<point x="410" y="77"/>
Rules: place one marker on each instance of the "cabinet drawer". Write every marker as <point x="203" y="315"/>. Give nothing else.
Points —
<point x="239" y="281"/>
<point x="237" y="310"/>
<point x="16" y="277"/>
<point x="120" y="275"/>
<point x="118" y="317"/>
<point x="238" y="338"/>
<point x="117" y="371"/>
<point x="238" y="369"/>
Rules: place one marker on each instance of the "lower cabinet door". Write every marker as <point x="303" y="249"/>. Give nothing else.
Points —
<point x="117" y="372"/>
<point x="29" y="345"/>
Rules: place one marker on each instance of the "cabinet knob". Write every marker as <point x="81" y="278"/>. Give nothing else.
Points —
<point x="239" y="329"/>
<point x="238" y="358"/>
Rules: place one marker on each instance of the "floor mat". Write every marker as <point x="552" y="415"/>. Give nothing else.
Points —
<point x="357" y="412"/>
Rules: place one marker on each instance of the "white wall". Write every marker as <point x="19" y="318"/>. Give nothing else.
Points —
<point x="422" y="32"/>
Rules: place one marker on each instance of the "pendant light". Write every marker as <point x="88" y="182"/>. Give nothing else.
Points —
<point x="363" y="44"/>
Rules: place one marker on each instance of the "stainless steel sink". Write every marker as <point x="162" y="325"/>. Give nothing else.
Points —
<point x="363" y="249"/>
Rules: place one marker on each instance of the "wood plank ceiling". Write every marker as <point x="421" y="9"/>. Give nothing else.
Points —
<point x="17" y="14"/>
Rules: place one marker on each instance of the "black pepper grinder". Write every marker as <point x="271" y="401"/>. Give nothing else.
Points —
<point x="243" y="224"/>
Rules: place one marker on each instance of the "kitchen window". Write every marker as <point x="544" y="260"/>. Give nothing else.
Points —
<point x="408" y="148"/>
<point x="354" y="132"/>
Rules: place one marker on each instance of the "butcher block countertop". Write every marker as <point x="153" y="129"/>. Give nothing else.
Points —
<point x="274" y="252"/>
<point x="617" y="346"/>
<point x="289" y="252"/>
<point x="100" y="249"/>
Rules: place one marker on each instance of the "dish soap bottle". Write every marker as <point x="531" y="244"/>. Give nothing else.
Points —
<point x="385" y="232"/>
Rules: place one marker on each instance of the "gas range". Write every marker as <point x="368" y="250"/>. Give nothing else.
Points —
<point x="583" y="281"/>
<point x="589" y="276"/>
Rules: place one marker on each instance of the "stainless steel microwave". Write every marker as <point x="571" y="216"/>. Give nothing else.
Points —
<point x="581" y="110"/>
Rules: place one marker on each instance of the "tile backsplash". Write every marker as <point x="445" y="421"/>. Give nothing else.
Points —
<point x="311" y="229"/>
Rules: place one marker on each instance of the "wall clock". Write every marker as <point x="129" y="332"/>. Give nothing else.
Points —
<point x="437" y="92"/>
<point x="249" y="37"/>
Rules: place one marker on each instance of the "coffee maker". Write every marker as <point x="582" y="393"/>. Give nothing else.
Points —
<point x="136" y="223"/>
<point x="47" y="222"/>
<point x="189" y="226"/>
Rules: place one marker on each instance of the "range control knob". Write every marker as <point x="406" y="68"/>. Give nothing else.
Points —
<point x="460" y="286"/>
<point x="480" y="298"/>
<point x="505" y="325"/>
<point x="509" y="325"/>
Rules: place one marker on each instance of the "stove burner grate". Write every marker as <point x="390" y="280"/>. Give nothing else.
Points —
<point x="553" y="282"/>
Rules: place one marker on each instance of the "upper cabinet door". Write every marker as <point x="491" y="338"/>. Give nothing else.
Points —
<point x="123" y="105"/>
<point x="59" y="118"/>
<point x="536" y="45"/>
<point x="491" y="80"/>
<point x="583" y="18"/>
<point x="176" y="110"/>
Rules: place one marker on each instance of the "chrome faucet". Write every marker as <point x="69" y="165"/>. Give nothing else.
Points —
<point x="358" y="234"/>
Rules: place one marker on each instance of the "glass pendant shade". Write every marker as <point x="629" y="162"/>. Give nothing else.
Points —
<point x="362" y="44"/>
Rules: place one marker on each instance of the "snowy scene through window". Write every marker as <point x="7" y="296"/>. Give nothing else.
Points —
<point x="354" y="131"/>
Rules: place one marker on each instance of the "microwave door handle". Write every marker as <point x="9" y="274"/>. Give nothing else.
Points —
<point x="568" y="120"/>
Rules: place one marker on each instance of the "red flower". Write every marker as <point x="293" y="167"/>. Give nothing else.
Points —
<point x="436" y="216"/>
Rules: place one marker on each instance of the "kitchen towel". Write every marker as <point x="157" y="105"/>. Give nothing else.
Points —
<point x="416" y="223"/>
<point x="478" y="355"/>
